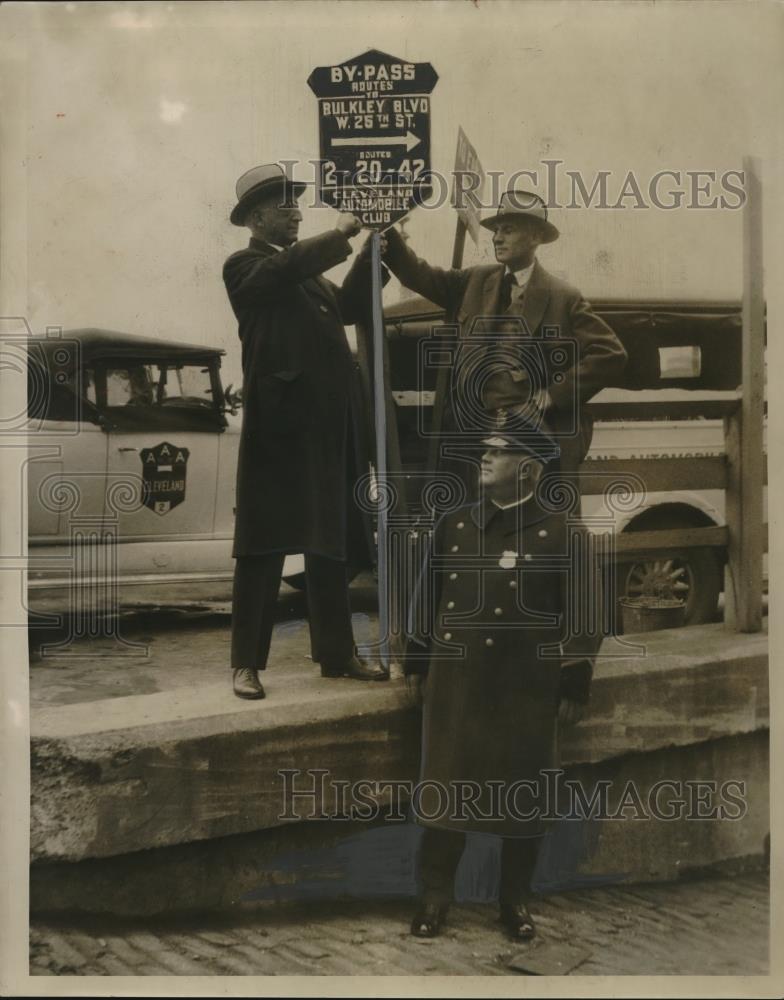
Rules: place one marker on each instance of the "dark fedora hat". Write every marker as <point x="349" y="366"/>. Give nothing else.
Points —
<point x="523" y="205"/>
<point x="257" y="183"/>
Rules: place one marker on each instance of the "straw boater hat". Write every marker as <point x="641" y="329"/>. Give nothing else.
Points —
<point x="257" y="183"/>
<point x="523" y="204"/>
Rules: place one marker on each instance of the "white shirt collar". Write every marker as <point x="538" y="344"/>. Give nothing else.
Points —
<point x="522" y="277"/>
<point x="275" y="247"/>
<point x="506" y="506"/>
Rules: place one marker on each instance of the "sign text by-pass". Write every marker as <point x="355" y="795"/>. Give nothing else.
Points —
<point x="374" y="136"/>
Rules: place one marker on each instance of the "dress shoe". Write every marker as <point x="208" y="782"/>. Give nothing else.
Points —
<point x="518" y="921"/>
<point x="428" y="920"/>
<point x="247" y="683"/>
<point x="357" y="668"/>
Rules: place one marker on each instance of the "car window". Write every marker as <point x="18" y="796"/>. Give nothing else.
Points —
<point x="138" y="393"/>
<point x="129" y="386"/>
<point x="158" y="385"/>
<point x="56" y="393"/>
<point x="88" y="386"/>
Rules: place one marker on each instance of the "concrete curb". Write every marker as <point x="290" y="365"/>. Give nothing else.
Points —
<point x="150" y="771"/>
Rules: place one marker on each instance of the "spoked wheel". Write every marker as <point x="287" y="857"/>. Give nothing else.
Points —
<point x="693" y="577"/>
<point x="660" y="578"/>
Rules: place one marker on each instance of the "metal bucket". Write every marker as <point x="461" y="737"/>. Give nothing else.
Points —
<point x="647" y="614"/>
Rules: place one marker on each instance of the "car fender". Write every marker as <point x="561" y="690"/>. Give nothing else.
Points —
<point x="598" y="509"/>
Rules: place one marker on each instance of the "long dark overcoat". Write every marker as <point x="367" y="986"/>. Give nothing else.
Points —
<point x="578" y="352"/>
<point x="300" y="394"/>
<point x="491" y="629"/>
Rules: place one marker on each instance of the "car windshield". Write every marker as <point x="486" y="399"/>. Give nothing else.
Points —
<point x="137" y="384"/>
<point x="139" y="393"/>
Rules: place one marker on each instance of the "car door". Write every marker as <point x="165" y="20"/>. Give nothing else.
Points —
<point x="65" y="478"/>
<point x="66" y="466"/>
<point x="163" y="429"/>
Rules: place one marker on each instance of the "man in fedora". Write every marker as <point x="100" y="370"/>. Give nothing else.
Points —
<point x="502" y="653"/>
<point x="530" y="347"/>
<point x="297" y="461"/>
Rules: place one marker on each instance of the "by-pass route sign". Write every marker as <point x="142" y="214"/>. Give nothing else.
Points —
<point x="374" y="135"/>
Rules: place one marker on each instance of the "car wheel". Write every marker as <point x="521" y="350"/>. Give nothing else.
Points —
<point x="693" y="575"/>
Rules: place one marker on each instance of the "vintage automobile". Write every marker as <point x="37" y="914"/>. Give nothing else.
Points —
<point x="131" y="440"/>
<point x="675" y="348"/>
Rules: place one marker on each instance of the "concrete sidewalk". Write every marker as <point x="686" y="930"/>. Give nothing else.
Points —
<point x="140" y="747"/>
<point x="143" y="761"/>
<point x="714" y="926"/>
<point x="174" y="649"/>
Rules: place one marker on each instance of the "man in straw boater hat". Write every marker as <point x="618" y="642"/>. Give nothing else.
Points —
<point x="529" y="347"/>
<point x="501" y="643"/>
<point x="297" y="462"/>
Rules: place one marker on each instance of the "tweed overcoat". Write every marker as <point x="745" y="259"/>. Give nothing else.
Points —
<point x="300" y="422"/>
<point x="494" y="629"/>
<point x="577" y="353"/>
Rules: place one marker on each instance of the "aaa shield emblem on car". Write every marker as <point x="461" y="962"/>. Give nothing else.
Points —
<point x="163" y="474"/>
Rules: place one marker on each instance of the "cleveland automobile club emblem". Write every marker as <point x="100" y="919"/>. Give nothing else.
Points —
<point x="163" y="474"/>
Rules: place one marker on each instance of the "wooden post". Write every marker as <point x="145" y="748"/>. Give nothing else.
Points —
<point x="744" y="432"/>
<point x="458" y="248"/>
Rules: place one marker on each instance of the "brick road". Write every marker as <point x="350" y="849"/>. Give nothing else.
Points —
<point x="716" y="925"/>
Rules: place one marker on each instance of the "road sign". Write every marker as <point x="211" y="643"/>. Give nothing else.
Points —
<point x="468" y="185"/>
<point x="374" y="135"/>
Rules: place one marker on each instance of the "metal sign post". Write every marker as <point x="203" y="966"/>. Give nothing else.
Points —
<point x="382" y="528"/>
<point x="374" y="150"/>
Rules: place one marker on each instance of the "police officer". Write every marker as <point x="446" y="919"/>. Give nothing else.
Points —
<point x="499" y="665"/>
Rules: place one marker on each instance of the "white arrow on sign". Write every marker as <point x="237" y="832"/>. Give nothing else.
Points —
<point x="409" y="139"/>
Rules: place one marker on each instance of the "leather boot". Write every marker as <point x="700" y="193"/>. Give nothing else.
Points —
<point x="518" y="921"/>
<point x="356" y="667"/>
<point x="247" y="684"/>
<point x="428" y="920"/>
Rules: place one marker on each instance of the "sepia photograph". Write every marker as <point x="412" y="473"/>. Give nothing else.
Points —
<point x="384" y="514"/>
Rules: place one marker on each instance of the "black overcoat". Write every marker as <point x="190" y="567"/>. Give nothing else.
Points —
<point x="492" y="629"/>
<point x="297" y="461"/>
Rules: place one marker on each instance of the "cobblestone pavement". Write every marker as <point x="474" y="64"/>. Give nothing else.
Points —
<point x="717" y="925"/>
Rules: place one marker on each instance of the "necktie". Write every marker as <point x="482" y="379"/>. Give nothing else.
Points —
<point x="507" y="282"/>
